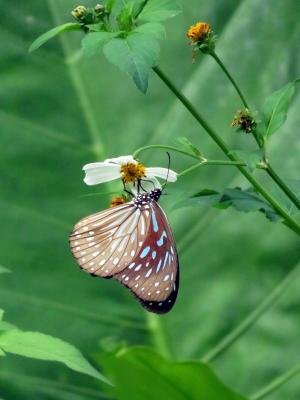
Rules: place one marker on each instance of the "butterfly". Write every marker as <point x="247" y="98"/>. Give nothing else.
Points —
<point x="132" y="243"/>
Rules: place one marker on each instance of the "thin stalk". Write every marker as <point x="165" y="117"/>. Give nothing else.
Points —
<point x="166" y="147"/>
<point x="158" y="334"/>
<point x="210" y="162"/>
<point x="289" y="221"/>
<point x="229" y="76"/>
<point x="252" y="318"/>
<point x="276" y="383"/>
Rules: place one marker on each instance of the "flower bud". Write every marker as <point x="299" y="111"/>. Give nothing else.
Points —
<point x="79" y="12"/>
<point x="244" y="121"/>
<point x="99" y="9"/>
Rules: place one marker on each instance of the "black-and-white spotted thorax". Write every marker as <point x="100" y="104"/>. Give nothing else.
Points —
<point x="146" y="198"/>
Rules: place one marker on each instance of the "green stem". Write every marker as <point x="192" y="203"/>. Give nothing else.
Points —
<point x="225" y="70"/>
<point x="158" y="334"/>
<point x="289" y="221"/>
<point x="163" y="146"/>
<point x="283" y="185"/>
<point x="248" y="322"/>
<point x="276" y="383"/>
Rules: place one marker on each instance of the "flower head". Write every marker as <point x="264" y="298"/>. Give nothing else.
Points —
<point x="133" y="174"/>
<point x="79" y="12"/>
<point x="199" y="32"/>
<point x="244" y="121"/>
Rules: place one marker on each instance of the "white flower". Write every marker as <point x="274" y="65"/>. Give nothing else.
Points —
<point x="130" y="171"/>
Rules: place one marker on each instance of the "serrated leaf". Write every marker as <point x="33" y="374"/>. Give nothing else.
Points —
<point x="44" y="347"/>
<point x="188" y="146"/>
<point x="92" y="43"/>
<point x="155" y="376"/>
<point x="71" y="26"/>
<point x="136" y="55"/>
<point x="275" y="109"/>
<point x="251" y="158"/>
<point x="240" y="200"/>
<point x="160" y="10"/>
<point x="153" y="28"/>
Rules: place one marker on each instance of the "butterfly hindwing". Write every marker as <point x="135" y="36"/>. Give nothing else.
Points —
<point x="153" y="275"/>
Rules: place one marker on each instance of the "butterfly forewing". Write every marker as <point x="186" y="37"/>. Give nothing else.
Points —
<point x="106" y="242"/>
<point x="153" y="275"/>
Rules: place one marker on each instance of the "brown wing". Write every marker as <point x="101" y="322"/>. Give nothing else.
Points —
<point x="153" y="275"/>
<point x="105" y="243"/>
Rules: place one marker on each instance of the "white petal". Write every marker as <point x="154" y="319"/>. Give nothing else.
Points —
<point x="162" y="173"/>
<point x="100" y="172"/>
<point x="121" y="160"/>
<point x="146" y="185"/>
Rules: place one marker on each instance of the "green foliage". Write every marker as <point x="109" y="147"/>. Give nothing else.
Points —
<point x="160" y="10"/>
<point x="44" y="347"/>
<point x="92" y="43"/>
<point x="68" y="27"/>
<point x="155" y="377"/>
<point x="152" y="28"/>
<point x="275" y="109"/>
<point x="50" y="122"/>
<point x="186" y="145"/>
<point x="136" y="55"/>
<point x="240" y="200"/>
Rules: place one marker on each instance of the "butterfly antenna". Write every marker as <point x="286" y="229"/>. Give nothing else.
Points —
<point x="169" y="164"/>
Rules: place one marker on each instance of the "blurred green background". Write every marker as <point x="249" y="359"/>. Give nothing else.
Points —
<point x="58" y="113"/>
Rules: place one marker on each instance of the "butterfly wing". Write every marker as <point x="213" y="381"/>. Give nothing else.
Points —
<point x="153" y="275"/>
<point x="105" y="243"/>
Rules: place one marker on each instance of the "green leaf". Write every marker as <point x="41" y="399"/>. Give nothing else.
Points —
<point x="251" y="158"/>
<point x="4" y="270"/>
<point x="92" y="43"/>
<point x="188" y="146"/>
<point x="156" y="378"/>
<point x="160" y="10"/>
<point x="44" y="347"/>
<point x="54" y="32"/>
<point x="136" y="55"/>
<point x="110" y="5"/>
<point x="240" y="200"/>
<point x="275" y="109"/>
<point x="153" y="28"/>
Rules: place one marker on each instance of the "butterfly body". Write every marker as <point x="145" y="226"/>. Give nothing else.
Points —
<point x="132" y="243"/>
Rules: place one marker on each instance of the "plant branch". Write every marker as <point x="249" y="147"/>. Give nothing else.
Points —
<point x="166" y="147"/>
<point x="229" y="76"/>
<point x="248" y="322"/>
<point x="290" y="194"/>
<point x="276" y="383"/>
<point x="210" y="162"/>
<point x="289" y="221"/>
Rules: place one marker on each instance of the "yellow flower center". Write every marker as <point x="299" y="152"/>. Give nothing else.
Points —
<point x="199" y="32"/>
<point x="132" y="172"/>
